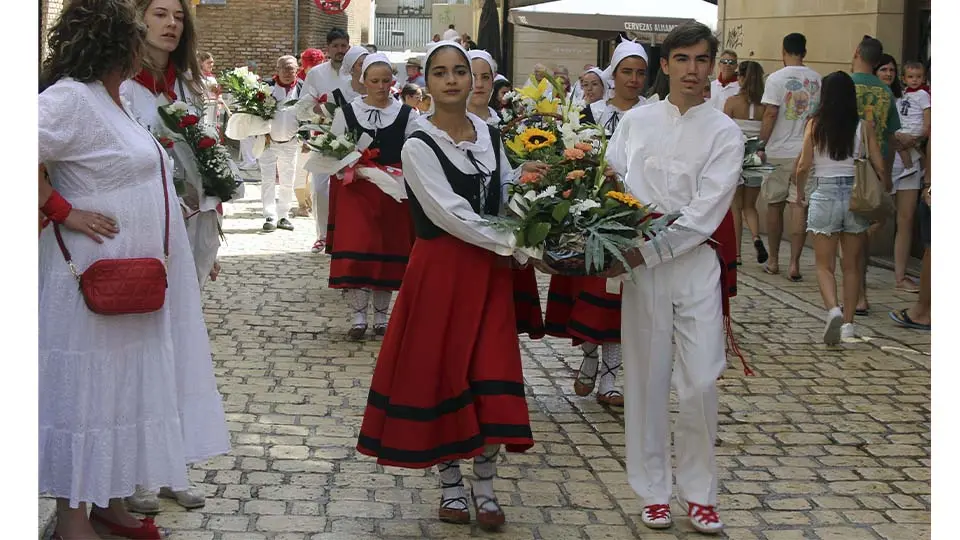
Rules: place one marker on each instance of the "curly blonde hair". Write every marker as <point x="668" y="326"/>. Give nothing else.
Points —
<point x="184" y="57"/>
<point x="91" y="39"/>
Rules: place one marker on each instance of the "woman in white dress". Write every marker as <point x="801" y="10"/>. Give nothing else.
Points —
<point x="125" y="400"/>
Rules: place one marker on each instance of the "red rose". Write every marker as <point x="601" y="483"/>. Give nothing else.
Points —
<point x="206" y="142"/>
<point x="567" y="193"/>
<point x="188" y="120"/>
<point x="322" y="99"/>
<point x="261" y="96"/>
<point x="165" y="142"/>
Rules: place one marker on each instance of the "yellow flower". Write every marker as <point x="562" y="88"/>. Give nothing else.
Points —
<point x="516" y="146"/>
<point x="625" y="199"/>
<point x="546" y="106"/>
<point x="535" y="139"/>
<point x="535" y="92"/>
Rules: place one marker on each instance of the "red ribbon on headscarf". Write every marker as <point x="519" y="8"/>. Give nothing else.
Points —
<point x="165" y="86"/>
<point x="724" y="243"/>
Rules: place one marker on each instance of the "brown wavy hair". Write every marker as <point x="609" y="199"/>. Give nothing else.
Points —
<point x="91" y="39"/>
<point x="184" y="57"/>
<point x="752" y="74"/>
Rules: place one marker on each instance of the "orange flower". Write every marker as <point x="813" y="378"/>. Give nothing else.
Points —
<point x="529" y="178"/>
<point x="576" y="175"/>
<point x="566" y="194"/>
<point x="584" y="147"/>
<point x="573" y="154"/>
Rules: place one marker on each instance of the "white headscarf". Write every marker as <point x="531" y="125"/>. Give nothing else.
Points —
<point x="374" y="58"/>
<point x="485" y="56"/>
<point x="499" y="77"/>
<point x="607" y="83"/>
<point x="624" y="50"/>
<point x="349" y="59"/>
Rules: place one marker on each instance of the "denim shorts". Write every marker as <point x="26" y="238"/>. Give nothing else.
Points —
<point x="829" y="209"/>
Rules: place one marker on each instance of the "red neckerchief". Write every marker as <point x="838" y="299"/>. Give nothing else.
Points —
<point x="209" y="74"/>
<point x="724" y="242"/>
<point x="725" y="82"/>
<point x="166" y="86"/>
<point x="287" y="87"/>
<point x="907" y="90"/>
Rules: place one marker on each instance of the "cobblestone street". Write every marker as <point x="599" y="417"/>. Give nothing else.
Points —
<point x="823" y="443"/>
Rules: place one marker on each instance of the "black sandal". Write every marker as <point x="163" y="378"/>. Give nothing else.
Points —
<point x="585" y="383"/>
<point x="455" y="509"/>
<point x="488" y="520"/>
<point x="762" y="254"/>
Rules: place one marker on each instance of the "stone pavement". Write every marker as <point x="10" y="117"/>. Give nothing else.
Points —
<point x="824" y="443"/>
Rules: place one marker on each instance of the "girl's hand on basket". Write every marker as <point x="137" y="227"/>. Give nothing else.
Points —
<point x="91" y="224"/>
<point x="536" y="167"/>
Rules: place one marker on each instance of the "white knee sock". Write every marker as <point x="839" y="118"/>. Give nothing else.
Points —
<point x="358" y="299"/>
<point x="590" y="359"/>
<point x="451" y="484"/>
<point x="611" y="365"/>
<point x="485" y="470"/>
<point x="381" y="306"/>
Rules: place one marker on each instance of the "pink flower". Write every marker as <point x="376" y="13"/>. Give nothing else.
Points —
<point x="566" y="194"/>
<point x="529" y="178"/>
<point x="576" y="175"/>
<point x="583" y="147"/>
<point x="573" y="154"/>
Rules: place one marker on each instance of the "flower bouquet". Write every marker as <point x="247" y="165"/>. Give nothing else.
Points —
<point x="576" y="218"/>
<point x="212" y="158"/>
<point x="353" y="158"/>
<point x="251" y="104"/>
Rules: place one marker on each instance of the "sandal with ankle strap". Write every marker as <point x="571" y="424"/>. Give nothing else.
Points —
<point x="488" y="519"/>
<point x="585" y="383"/>
<point x="612" y="398"/>
<point x="380" y="329"/>
<point x="455" y="509"/>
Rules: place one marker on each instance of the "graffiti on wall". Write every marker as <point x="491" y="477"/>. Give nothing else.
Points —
<point x="735" y="37"/>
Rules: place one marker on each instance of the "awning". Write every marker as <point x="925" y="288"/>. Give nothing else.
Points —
<point x="647" y="21"/>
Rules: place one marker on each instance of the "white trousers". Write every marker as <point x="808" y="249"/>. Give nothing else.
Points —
<point x="278" y="159"/>
<point x="678" y="300"/>
<point x="246" y="152"/>
<point x="321" y="203"/>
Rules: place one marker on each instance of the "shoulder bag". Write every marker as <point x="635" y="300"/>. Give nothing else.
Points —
<point x="868" y="198"/>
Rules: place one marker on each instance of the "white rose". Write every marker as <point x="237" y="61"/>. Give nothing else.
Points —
<point x="582" y="206"/>
<point x="334" y="144"/>
<point x="179" y="106"/>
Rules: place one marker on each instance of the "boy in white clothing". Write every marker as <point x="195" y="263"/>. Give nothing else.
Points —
<point x="914" y="109"/>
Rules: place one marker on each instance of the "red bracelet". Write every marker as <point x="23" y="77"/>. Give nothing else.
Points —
<point x="56" y="208"/>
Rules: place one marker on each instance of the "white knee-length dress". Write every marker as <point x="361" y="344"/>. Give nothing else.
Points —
<point x="128" y="399"/>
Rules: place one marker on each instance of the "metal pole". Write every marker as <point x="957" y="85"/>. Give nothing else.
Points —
<point x="296" y="27"/>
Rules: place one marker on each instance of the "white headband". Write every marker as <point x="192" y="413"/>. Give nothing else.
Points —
<point x="478" y="54"/>
<point x="349" y="59"/>
<point x="375" y="58"/>
<point x="624" y="50"/>
<point x="499" y="77"/>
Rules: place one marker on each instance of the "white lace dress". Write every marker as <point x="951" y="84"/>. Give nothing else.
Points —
<point x="128" y="399"/>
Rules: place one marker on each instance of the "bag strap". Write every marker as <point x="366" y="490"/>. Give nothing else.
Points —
<point x="166" y="221"/>
<point x="864" y="148"/>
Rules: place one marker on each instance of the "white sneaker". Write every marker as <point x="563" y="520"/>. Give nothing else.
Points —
<point x="908" y="172"/>
<point x="704" y="519"/>
<point x="831" y="334"/>
<point x="848" y="332"/>
<point x="143" y="502"/>
<point x="656" y="516"/>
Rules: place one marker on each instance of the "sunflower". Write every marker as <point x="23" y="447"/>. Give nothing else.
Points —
<point x="535" y="139"/>
<point x="624" y="199"/>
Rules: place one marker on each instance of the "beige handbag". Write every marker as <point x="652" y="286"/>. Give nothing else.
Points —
<point x="868" y="199"/>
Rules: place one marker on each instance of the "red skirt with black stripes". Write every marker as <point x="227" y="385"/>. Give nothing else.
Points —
<point x="580" y="308"/>
<point x="331" y="217"/>
<point x="374" y="236"/>
<point x="448" y="380"/>
<point x="526" y="303"/>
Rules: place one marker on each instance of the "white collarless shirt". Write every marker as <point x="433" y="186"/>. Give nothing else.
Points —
<point x="687" y="164"/>
<point x="603" y="112"/>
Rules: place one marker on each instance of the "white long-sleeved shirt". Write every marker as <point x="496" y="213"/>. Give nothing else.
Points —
<point x="284" y="125"/>
<point x="322" y="79"/>
<point x="687" y="164"/>
<point x="446" y="209"/>
<point x="719" y="94"/>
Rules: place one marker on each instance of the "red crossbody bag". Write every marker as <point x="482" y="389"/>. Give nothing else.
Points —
<point x="125" y="286"/>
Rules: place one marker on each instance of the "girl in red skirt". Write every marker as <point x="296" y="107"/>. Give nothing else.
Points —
<point x="448" y="383"/>
<point x="526" y="295"/>
<point x="374" y="231"/>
